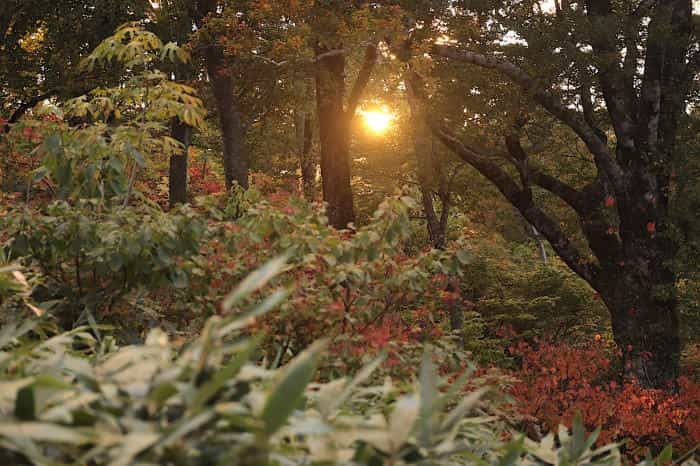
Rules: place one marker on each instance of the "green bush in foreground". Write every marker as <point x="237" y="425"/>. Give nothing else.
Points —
<point x="74" y="399"/>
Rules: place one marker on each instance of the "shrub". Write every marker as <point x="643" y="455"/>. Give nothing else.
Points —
<point x="71" y="399"/>
<point x="360" y="289"/>
<point x="558" y="380"/>
<point x="90" y="257"/>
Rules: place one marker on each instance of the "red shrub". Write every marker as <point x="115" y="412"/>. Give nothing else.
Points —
<point x="558" y="380"/>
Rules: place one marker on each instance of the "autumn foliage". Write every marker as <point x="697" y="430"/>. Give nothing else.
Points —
<point x="557" y="380"/>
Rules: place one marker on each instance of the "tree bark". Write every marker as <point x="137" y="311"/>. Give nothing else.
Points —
<point x="632" y="267"/>
<point x="334" y="122"/>
<point x="431" y="176"/>
<point x="177" y="181"/>
<point x="334" y="127"/>
<point x="233" y="133"/>
<point x="644" y="316"/>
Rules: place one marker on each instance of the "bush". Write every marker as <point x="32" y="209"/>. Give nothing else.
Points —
<point x="73" y="399"/>
<point x="91" y="257"/>
<point x="359" y="289"/>
<point x="556" y="381"/>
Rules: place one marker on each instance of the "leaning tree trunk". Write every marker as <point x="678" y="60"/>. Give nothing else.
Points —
<point x="334" y="135"/>
<point x="177" y="181"/>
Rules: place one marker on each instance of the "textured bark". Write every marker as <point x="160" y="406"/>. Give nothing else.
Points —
<point x="334" y="121"/>
<point x="632" y="267"/>
<point x="334" y="127"/>
<point x="177" y="181"/>
<point x="232" y="131"/>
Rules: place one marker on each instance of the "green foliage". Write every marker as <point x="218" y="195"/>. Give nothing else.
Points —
<point x="509" y="284"/>
<point x="89" y="255"/>
<point x="126" y="124"/>
<point x="354" y="287"/>
<point x="68" y="398"/>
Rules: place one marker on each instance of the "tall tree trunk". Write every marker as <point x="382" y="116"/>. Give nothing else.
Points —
<point x="232" y="131"/>
<point x="177" y="181"/>
<point x="334" y="121"/>
<point x="334" y="135"/>
<point x="640" y="291"/>
<point x="431" y="176"/>
<point x="307" y="164"/>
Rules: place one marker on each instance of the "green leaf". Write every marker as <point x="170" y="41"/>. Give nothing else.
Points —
<point x="288" y="391"/>
<point x="255" y="281"/>
<point x="512" y="453"/>
<point x="666" y="456"/>
<point x="43" y="432"/>
<point x="244" y="320"/>
<point x="461" y="410"/>
<point x="25" y="406"/>
<point x="429" y="395"/>
<point x="131" y="445"/>
<point x="207" y="391"/>
<point x="402" y="419"/>
<point x="464" y="257"/>
<point x="359" y="379"/>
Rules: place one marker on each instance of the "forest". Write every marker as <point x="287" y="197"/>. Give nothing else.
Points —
<point x="349" y="232"/>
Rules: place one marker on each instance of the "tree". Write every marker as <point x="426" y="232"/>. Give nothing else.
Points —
<point x="432" y="179"/>
<point x="303" y="124"/>
<point x="233" y="133"/>
<point x="639" y="57"/>
<point x="331" y="20"/>
<point x="177" y="174"/>
<point x="40" y="46"/>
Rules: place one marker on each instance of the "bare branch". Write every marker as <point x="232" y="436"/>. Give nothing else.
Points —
<point x="362" y="80"/>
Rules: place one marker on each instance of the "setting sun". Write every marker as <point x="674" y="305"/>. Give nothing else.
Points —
<point x="378" y="121"/>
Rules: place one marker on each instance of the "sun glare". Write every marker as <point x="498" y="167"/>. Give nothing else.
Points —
<point x="377" y="121"/>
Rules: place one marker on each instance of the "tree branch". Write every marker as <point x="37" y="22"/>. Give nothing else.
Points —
<point x="522" y="200"/>
<point x="611" y="75"/>
<point x="553" y="105"/>
<point x="559" y="188"/>
<point x="25" y="106"/>
<point x="362" y="79"/>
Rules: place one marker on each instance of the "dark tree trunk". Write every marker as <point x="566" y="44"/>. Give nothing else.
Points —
<point x="624" y="211"/>
<point x="334" y="126"/>
<point x="334" y="122"/>
<point x="177" y="181"/>
<point x="640" y="291"/>
<point x="232" y="131"/>
<point x="307" y="164"/>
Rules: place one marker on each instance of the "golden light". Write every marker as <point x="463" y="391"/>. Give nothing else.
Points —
<point x="377" y="121"/>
